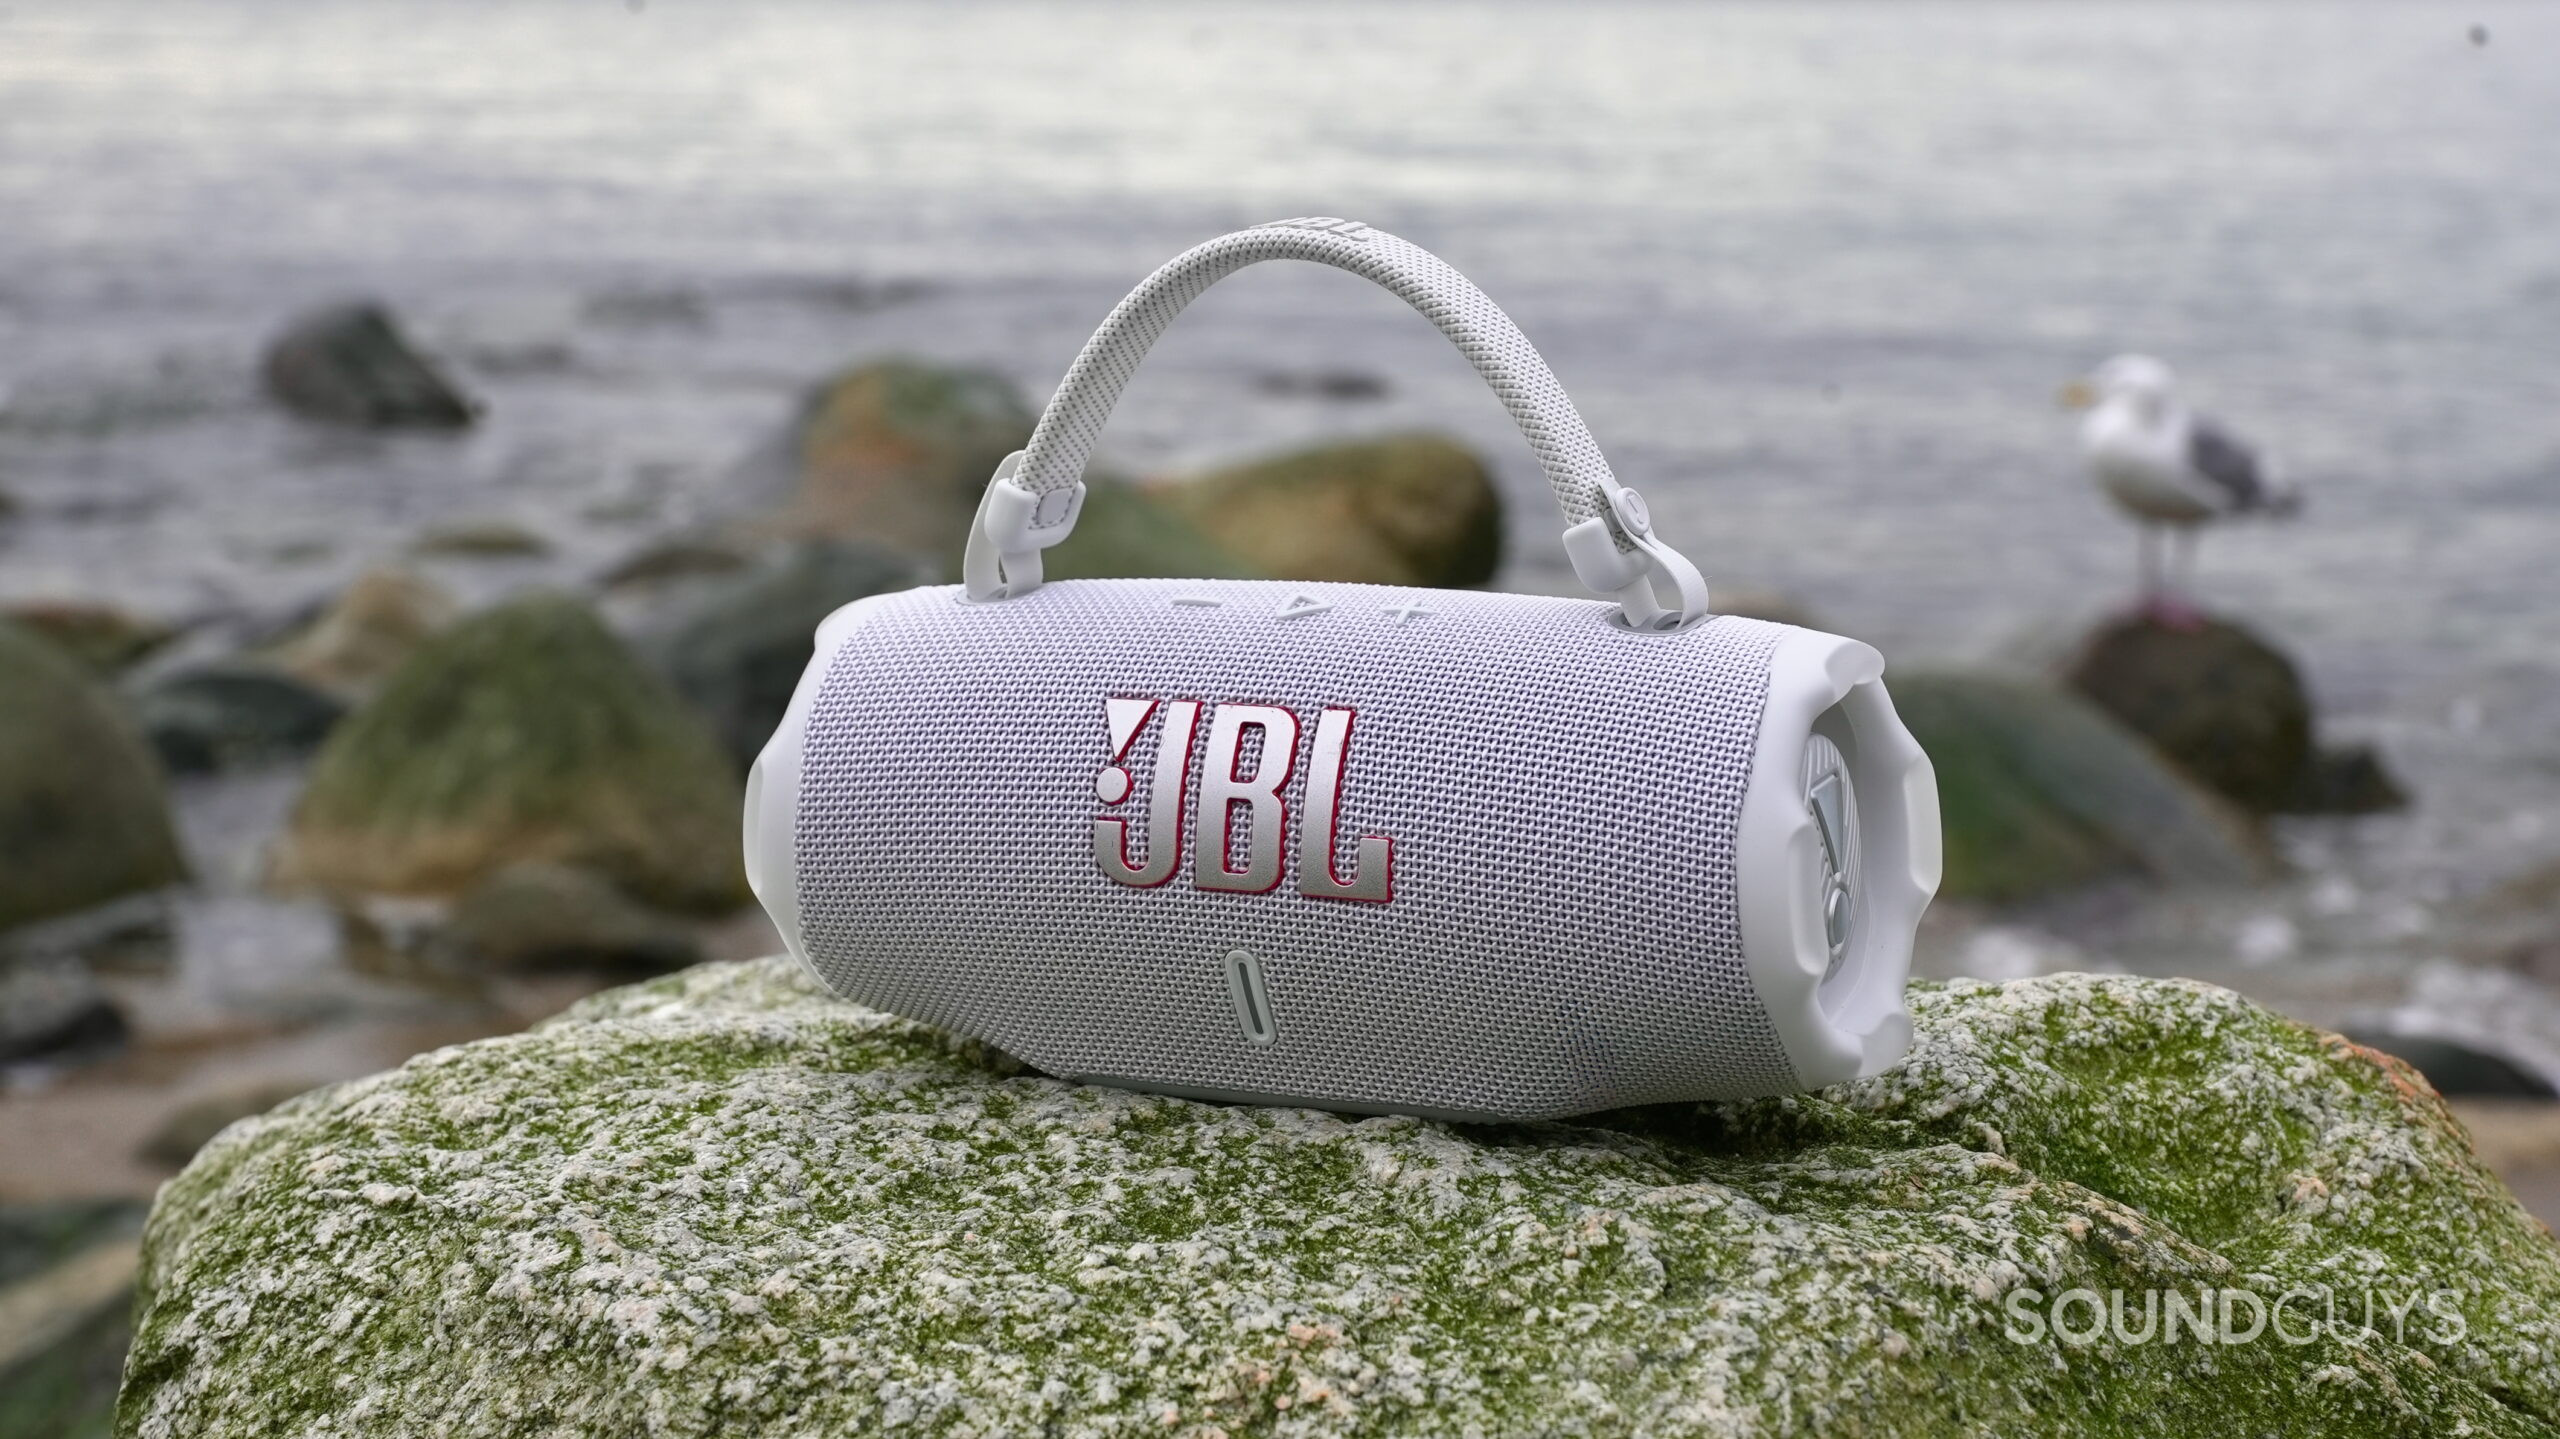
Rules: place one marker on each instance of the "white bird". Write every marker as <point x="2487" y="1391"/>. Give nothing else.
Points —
<point x="2169" y="468"/>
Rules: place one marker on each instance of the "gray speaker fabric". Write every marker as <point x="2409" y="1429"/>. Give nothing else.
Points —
<point x="1563" y="817"/>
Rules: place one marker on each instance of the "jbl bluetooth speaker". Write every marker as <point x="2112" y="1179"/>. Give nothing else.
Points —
<point x="1448" y="853"/>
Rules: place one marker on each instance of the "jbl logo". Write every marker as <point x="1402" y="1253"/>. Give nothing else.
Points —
<point x="1227" y="793"/>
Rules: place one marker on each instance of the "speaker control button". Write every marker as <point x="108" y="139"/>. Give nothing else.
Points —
<point x="1634" y="515"/>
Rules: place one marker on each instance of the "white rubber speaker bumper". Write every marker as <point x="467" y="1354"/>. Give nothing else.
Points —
<point x="1828" y="917"/>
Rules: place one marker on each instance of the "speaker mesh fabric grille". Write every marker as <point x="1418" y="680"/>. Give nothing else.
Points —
<point x="1073" y="420"/>
<point x="1563" y="796"/>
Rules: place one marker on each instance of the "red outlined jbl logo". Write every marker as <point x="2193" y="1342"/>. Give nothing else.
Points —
<point x="1227" y="794"/>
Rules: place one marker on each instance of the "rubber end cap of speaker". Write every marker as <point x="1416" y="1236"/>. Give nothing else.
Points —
<point x="1836" y="857"/>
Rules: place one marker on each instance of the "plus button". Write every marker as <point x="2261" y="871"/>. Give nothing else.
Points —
<point x="1406" y="613"/>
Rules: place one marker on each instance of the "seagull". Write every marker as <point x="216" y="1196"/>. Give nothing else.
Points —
<point x="2168" y="466"/>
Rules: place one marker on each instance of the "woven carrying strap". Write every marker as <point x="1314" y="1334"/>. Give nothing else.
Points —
<point x="1035" y="497"/>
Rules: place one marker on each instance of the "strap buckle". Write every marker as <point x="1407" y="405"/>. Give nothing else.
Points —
<point x="1635" y="573"/>
<point x="1012" y="527"/>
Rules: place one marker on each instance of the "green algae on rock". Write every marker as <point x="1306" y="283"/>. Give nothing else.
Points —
<point x="106" y="638"/>
<point x="524" y="733"/>
<point x="2041" y="791"/>
<point x="535" y="916"/>
<point x="1123" y="533"/>
<point x="83" y="818"/>
<point x="1397" y="510"/>
<point x="898" y="452"/>
<point x="725" y="1203"/>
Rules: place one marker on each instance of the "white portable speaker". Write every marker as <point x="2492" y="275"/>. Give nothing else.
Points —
<point x="1450" y="853"/>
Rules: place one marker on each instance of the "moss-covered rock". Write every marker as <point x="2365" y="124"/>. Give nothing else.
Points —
<point x="556" y="916"/>
<point x="66" y="1299"/>
<point x="82" y="815"/>
<point x="737" y="652"/>
<point x="523" y="733"/>
<point x="725" y="1203"/>
<point x="488" y="537"/>
<point x="1123" y="533"/>
<point x="1400" y="510"/>
<point x="898" y="453"/>
<point x="107" y="638"/>
<point x="2039" y="791"/>
<point x="53" y="1006"/>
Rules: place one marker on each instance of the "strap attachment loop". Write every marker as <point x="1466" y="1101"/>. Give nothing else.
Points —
<point x="1615" y="554"/>
<point x="1012" y="527"/>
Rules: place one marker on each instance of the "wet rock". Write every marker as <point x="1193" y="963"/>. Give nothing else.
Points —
<point x="641" y="307"/>
<point x="526" y="732"/>
<point x="1321" y="384"/>
<point x="82" y="815"/>
<point x="54" y="1007"/>
<point x="66" y="1291"/>
<point x="738" y="654"/>
<point x="1759" y="603"/>
<point x="231" y="713"/>
<point x="488" y="539"/>
<point x="2520" y="926"/>
<point x="2476" y="1024"/>
<point x="376" y="624"/>
<point x="349" y="364"/>
<point x="2039" y="791"/>
<point x="192" y="1125"/>
<point x="2456" y="1068"/>
<point x="1403" y="510"/>
<point x="2347" y="780"/>
<point x="106" y="638"/>
<point x="37" y="1237"/>
<point x="534" y="917"/>
<point x="520" y="357"/>
<point x="897" y="452"/>
<point x="134" y="934"/>
<point x="725" y="1202"/>
<point x="851" y="294"/>
<point x="679" y="557"/>
<point x="2229" y="709"/>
